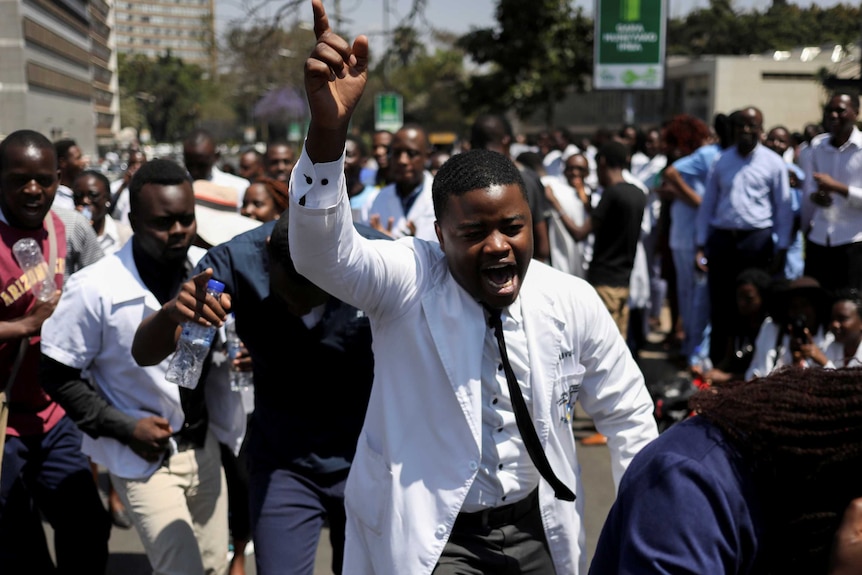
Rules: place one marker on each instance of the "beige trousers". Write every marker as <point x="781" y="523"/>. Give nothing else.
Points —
<point x="616" y="299"/>
<point x="180" y="512"/>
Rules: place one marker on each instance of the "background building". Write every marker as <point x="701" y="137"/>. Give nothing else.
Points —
<point x="46" y="82"/>
<point x="786" y="86"/>
<point x="153" y="27"/>
<point x="103" y="60"/>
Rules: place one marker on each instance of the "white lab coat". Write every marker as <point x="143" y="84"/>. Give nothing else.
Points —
<point x="419" y="449"/>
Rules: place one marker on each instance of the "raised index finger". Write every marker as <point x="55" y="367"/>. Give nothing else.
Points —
<point x="321" y="20"/>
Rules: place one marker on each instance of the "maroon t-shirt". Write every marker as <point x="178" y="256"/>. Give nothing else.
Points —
<point x="32" y="411"/>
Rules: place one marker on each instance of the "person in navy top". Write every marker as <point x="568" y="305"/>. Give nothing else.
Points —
<point x="756" y="483"/>
<point x="305" y="424"/>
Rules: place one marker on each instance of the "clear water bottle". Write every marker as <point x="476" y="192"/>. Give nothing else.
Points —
<point x="239" y="380"/>
<point x="193" y="347"/>
<point x="41" y="279"/>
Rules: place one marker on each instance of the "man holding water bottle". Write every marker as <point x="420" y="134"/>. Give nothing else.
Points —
<point x="159" y="441"/>
<point x="43" y="469"/>
<point x="303" y="429"/>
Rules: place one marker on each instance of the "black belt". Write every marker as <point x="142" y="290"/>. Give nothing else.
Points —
<point x="185" y="443"/>
<point x="495" y="517"/>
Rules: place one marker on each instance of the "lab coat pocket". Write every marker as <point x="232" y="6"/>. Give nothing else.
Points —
<point x="567" y="389"/>
<point x="367" y="493"/>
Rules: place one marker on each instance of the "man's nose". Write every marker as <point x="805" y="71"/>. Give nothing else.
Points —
<point x="33" y="187"/>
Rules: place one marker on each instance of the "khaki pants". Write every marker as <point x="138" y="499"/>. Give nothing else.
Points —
<point x="180" y="512"/>
<point x="616" y="299"/>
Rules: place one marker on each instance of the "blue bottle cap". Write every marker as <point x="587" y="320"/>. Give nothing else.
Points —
<point x="215" y="285"/>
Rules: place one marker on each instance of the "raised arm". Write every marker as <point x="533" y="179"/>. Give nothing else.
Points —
<point x="335" y="76"/>
<point x="156" y="336"/>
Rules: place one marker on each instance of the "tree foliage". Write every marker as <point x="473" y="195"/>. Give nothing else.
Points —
<point x="428" y="75"/>
<point x="539" y="50"/>
<point x="162" y="94"/>
<point x="261" y="58"/>
<point x="721" y="29"/>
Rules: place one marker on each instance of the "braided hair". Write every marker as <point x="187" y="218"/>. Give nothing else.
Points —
<point x="801" y="429"/>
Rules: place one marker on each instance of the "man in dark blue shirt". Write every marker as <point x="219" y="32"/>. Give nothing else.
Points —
<point x="304" y="427"/>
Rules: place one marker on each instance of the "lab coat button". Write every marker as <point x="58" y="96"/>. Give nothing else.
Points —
<point x="441" y="531"/>
<point x="474" y="466"/>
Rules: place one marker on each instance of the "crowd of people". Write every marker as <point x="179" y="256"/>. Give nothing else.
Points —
<point x="420" y="324"/>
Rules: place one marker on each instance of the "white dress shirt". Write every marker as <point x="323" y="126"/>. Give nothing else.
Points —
<point x="840" y="223"/>
<point x="506" y="472"/>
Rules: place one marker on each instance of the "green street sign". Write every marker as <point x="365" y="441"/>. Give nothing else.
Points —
<point x="630" y="44"/>
<point x="388" y="111"/>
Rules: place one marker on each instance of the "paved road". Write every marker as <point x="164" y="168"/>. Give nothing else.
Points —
<point x="127" y="556"/>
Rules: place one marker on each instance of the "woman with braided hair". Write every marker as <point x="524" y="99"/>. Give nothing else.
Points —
<point x="265" y="199"/>
<point x="756" y="483"/>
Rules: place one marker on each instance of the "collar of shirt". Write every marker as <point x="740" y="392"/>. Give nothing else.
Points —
<point x="855" y="139"/>
<point x="408" y="200"/>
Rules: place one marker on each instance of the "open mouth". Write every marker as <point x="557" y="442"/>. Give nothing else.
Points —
<point x="500" y="279"/>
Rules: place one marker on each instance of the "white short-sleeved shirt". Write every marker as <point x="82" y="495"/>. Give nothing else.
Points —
<point x="92" y="329"/>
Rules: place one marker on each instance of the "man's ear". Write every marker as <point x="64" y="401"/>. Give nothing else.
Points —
<point x="439" y="233"/>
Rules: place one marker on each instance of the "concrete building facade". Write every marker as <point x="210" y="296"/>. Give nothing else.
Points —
<point x="46" y="82"/>
<point x="152" y="27"/>
<point x="785" y="85"/>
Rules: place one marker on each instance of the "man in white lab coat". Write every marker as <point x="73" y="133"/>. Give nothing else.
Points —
<point x="445" y="480"/>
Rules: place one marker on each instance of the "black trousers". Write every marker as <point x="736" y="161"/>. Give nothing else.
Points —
<point x="508" y="540"/>
<point x="835" y="267"/>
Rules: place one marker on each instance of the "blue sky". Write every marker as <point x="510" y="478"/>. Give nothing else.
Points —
<point x="459" y="16"/>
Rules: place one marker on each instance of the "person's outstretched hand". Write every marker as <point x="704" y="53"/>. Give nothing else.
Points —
<point x="335" y="77"/>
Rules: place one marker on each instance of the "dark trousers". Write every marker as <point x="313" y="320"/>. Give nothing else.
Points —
<point x="236" y="477"/>
<point x="506" y="541"/>
<point x="835" y="267"/>
<point x="729" y="253"/>
<point x="49" y="474"/>
<point x="288" y="511"/>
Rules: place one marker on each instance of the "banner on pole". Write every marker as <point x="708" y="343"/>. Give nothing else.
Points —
<point x="630" y="37"/>
<point x="388" y="111"/>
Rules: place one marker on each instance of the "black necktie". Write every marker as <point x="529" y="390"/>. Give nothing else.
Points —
<point x="522" y="416"/>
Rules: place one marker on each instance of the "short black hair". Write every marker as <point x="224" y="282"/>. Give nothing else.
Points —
<point x="159" y="171"/>
<point x="24" y="139"/>
<point x="615" y="154"/>
<point x="757" y="277"/>
<point x="251" y="150"/>
<point x="62" y="147"/>
<point x="279" y="249"/>
<point x="473" y="170"/>
<point x="854" y="99"/>
<point x="848" y="294"/>
<point x="489" y="129"/>
<point x="532" y="160"/>
<point x="198" y="136"/>
<point x="99" y="176"/>
<point x="277" y="143"/>
<point x="360" y="145"/>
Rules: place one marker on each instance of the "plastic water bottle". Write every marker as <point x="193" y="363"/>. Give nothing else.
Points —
<point x="41" y="279"/>
<point x="193" y="347"/>
<point x="239" y="380"/>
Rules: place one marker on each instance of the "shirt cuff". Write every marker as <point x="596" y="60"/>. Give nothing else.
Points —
<point x="319" y="184"/>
